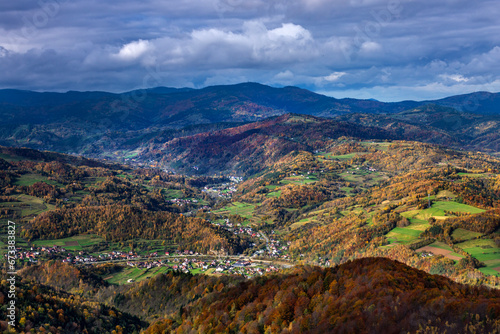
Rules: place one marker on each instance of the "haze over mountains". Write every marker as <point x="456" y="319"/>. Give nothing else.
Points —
<point x="144" y="122"/>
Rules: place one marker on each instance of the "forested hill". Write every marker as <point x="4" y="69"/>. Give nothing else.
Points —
<point x="368" y="295"/>
<point x="251" y="148"/>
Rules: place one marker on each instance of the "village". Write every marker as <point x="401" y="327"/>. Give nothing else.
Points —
<point x="224" y="190"/>
<point x="210" y="266"/>
<point x="185" y="261"/>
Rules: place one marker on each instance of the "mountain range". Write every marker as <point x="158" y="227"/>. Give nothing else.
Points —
<point x="348" y="215"/>
<point x="145" y="123"/>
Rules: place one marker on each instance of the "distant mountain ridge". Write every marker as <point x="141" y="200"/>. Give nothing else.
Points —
<point x="101" y="124"/>
<point x="285" y="100"/>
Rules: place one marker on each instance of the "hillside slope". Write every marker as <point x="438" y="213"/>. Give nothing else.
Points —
<point x="368" y="295"/>
<point x="250" y="148"/>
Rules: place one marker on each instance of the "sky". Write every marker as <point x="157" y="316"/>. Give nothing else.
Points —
<point x="389" y="50"/>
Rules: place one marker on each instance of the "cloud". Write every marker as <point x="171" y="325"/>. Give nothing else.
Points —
<point x="359" y="47"/>
<point x="454" y="77"/>
<point x="254" y="46"/>
<point x="134" y="50"/>
<point x="334" y="76"/>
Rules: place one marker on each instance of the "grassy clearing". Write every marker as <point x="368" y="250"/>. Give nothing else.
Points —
<point x="438" y="208"/>
<point x="172" y="193"/>
<point x="238" y="208"/>
<point x="131" y="273"/>
<point x="418" y="225"/>
<point x="303" y="222"/>
<point x="363" y="178"/>
<point x="492" y="267"/>
<point x="299" y="179"/>
<point x="140" y="274"/>
<point x="410" y="214"/>
<point x="457" y="207"/>
<point x="28" y="206"/>
<point x="479" y="175"/>
<point x="30" y="179"/>
<point x="11" y="158"/>
<point x="347" y="190"/>
<point x="75" y="243"/>
<point x="92" y="181"/>
<point x="404" y="235"/>
<point x="445" y="194"/>
<point x="341" y="157"/>
<point x="461" y="234"/>
<point x="481" y="249"/>
<point x="274" y="194"/>
<point x="383" y="146"/>
<point x="356" y="178"/>
<point x="441" y="245"/>
<point x="490" y="271"/>
<point x="132" y="154"/>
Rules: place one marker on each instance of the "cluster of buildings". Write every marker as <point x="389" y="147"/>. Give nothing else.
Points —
<point x="367" y="168"/>
<point x="181" y="202"/>
<point x="242" y="230"/>
<point x="274" y="249"/>
<point x="213" y="266"/>
<point x="224" y="190"/>
<point x="29" y="256"/>
<point x="81" y="258"/>
<point x="117" y="255"/>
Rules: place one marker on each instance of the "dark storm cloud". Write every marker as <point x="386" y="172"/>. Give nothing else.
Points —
<point x="389" y="50"/>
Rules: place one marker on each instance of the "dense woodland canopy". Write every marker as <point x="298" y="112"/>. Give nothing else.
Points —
<point x="368" y="295"/>
<point x="42" y="309"/>
<point x="372" y="294"/>
<point x="121" y="223"/>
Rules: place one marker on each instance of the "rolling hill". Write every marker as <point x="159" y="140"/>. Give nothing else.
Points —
<point x="440" y="125"/>
<point x="250" y="148"/>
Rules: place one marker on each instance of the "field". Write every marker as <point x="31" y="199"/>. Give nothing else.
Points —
<point x="274" y="194"/>
<point x="299" y="179"/>
<point x="11" y="158"/>
<point x="403" y="235"/>
<point x="479" y="175"/>
<point x="340" y="157"/>
<point x="238" y="208"/>
<point x="419" y="221"/>
<point x="461" y="234"/>
<point x="30" y="179"/>
<point x="381" y="146"/>
<point x="486" y="251"/>
<point x="75" y="243"/>
<point x="172" y="193"/>
<point x="438" y="208"/>
<point x="446" y="194"/>
<point x="27" y="206"/>
<point x="363" y="178"/>
<point x="302" y="222"/>
<point x="439" y="248"/>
